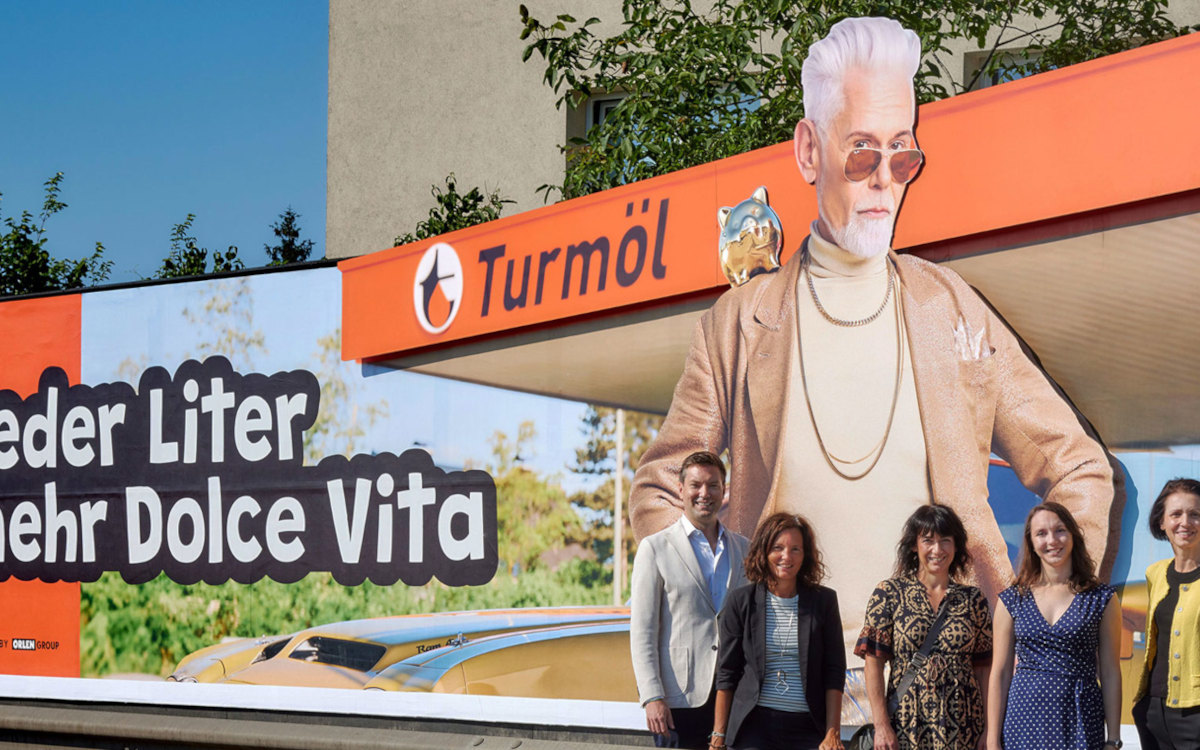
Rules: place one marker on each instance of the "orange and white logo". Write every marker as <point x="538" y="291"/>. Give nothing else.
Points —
<point x="438" y="287"/>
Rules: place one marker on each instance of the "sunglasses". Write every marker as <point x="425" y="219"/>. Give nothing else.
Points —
<point x="861" y="163"/>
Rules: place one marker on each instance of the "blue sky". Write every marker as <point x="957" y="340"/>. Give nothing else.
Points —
<point x="153" y="110"/>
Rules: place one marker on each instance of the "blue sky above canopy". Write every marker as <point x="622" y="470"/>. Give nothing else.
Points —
<point x="153" y="110"/>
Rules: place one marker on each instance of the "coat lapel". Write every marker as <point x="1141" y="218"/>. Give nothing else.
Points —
<point x="935" y="372"/>
<point x="804" y="620"/>
<point x="758" y="627"/>
<point x="770" y="344"/>
<point x="679" y="542"/>
<point x="804" y="627"/>
<point x="737" y="560"/>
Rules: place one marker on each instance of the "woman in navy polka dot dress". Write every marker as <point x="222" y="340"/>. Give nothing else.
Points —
<point x="1063" y="627"/>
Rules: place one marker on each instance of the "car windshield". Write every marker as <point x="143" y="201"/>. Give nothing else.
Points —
<point x="270" y="651"/>
<point x="350" y="654"/>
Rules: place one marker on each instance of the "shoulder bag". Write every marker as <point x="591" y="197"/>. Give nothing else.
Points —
<point x="864" y="738"/>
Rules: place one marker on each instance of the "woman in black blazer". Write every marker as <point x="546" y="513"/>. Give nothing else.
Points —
<point x="781" y="668"/>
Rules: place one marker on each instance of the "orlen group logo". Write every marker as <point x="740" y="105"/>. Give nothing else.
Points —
<point x="438" y="288"/>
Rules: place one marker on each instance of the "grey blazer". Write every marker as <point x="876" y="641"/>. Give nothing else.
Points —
<point x="673" y="627"/>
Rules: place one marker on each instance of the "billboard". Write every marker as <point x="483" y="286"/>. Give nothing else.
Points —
<point x="220" y="480"/>
<point x="191" y="464"/>
<point x="196" y="483"/>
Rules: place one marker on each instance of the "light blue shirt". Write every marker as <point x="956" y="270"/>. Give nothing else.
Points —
<point x="714" y="563"/>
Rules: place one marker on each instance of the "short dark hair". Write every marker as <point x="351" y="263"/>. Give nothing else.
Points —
<point x="1179" y="484"/>
<point x="1029" y="570"/>
<point x="758" y="569"/>
<point x="932" y="519"/>
<point x="702" y="458"/>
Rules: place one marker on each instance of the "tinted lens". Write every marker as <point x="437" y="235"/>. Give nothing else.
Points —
<point x="905" y="164"/>
<point x="861" y="163"/>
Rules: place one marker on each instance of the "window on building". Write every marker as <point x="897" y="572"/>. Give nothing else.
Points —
<point x="1012" y="64"/>
<point x="599" y="108"/>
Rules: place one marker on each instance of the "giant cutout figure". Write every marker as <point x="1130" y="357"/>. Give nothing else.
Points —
<point x="856" y="384"/>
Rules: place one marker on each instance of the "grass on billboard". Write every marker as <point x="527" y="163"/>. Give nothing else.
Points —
<point x="148" y="628"/>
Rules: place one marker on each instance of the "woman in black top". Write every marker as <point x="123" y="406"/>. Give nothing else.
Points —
<point x="1167" y="705"/>
<point x="781" y="668"/>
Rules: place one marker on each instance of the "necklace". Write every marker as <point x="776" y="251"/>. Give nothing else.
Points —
<point x="812" y="289"/>
<point x="835" y="462"/>
<point x="782" y="641"/>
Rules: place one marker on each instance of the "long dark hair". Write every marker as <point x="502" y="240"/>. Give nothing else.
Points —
<point x="758" y="569"/>
<point x="932" y="519"/>
<point x="1029" y="568"/>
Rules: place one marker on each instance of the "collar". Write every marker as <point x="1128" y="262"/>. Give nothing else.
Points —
<point x="689" y="529"/>
<point x="830" y="260"/>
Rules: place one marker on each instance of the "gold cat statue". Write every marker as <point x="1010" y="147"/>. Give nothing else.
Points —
<point x="750" y="239"/>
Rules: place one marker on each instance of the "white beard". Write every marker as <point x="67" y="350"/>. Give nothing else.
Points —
<point x="864" y="237"/>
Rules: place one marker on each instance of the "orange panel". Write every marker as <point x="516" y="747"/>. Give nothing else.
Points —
<point x="675" y="216"/>
<point x="36" y="334"/>
<point x="1091" y="136"/>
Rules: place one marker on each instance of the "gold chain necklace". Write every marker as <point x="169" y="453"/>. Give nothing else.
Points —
<point x="812" y="289"/>
<point x="877" y="449"/>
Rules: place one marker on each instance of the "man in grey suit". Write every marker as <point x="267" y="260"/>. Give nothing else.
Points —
<point x="680" y="578"/>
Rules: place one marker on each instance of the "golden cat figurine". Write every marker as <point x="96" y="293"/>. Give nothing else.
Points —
<point x="750" y="239"/>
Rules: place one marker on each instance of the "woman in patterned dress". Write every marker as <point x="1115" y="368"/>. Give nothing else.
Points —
<point x="944" y="707"/>
<point x="1059" y="622"/>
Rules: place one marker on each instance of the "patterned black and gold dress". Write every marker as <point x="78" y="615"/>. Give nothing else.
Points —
<point x="943" y="710"/>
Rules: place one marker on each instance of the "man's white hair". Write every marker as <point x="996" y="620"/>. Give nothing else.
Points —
<point x="871" y="43"/>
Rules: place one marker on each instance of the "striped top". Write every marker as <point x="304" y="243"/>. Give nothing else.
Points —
<point x="783" y="685"/>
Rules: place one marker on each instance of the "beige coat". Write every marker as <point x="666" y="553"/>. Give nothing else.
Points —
<point x="733" y="395"/>
<point x="673" y="623"/>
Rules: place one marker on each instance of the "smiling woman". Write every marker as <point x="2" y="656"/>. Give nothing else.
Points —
<point x="1062" y="626"/>
<point x="1169" y="691"/>
<point x="935" y="693"/>
<point x="781" y="668"/>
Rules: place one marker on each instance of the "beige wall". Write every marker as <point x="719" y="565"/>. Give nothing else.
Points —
<point x="422" y="88"/>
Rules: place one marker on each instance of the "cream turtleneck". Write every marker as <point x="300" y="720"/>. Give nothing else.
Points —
<point x="851" y="375"/>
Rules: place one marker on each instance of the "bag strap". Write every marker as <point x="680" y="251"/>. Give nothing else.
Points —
<point x="920" y="658"/>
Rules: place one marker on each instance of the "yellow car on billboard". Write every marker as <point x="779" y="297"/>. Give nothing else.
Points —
<point x="565" y="652"/>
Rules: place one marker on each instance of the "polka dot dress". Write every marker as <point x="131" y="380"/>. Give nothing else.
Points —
<point x="1054" y="700"/>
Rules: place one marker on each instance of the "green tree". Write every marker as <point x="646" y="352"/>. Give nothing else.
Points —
<point x="534" y="516"/>
<point x="599" y="427"/>
<point x="187" y="258"/>
<point x="454" y="210"/>
<point x="704" y="86"/>
<point x="598" y="457"/>
<point x="289" y="248"/>
<point x="149" y="627"/>
<point x="26" y="267"/>
<point x="344" y="415"/>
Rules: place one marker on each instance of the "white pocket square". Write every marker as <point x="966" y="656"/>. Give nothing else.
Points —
<point x="969" y="344"/>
